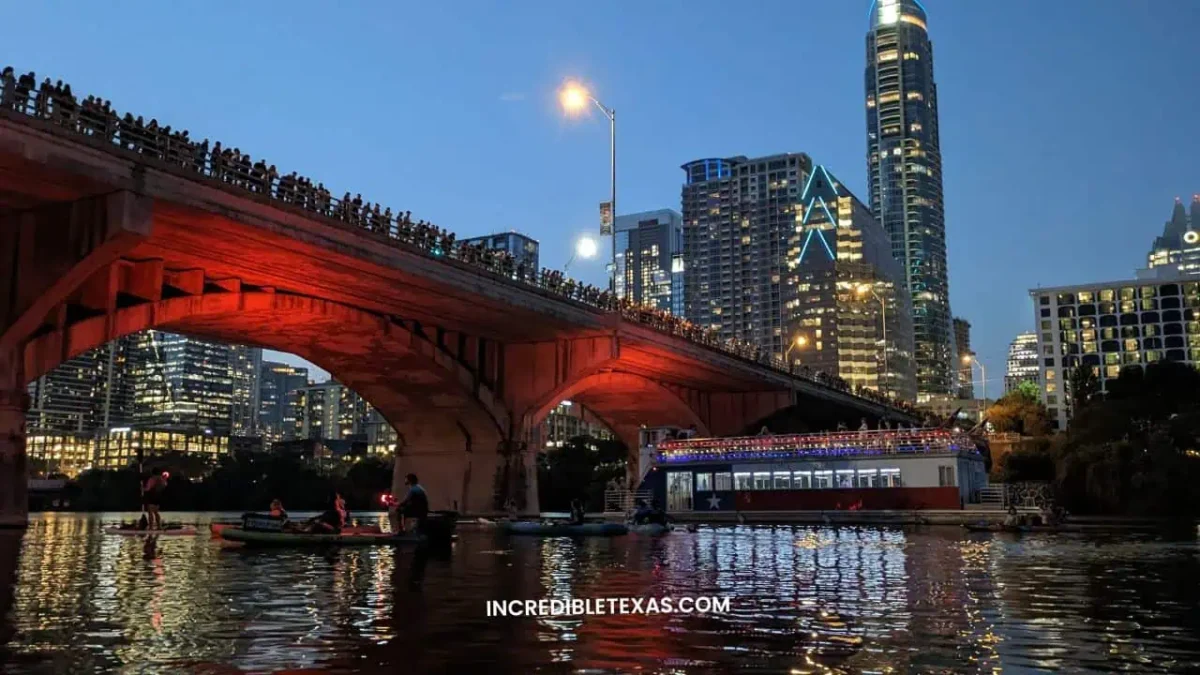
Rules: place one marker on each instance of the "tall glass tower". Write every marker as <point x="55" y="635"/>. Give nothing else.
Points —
<point x="904" y="164"/>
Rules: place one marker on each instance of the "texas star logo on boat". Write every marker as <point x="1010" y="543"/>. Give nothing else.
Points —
<point x="714" y="502"/>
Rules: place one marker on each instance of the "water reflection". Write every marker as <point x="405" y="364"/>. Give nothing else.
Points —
<point x="804" y="599"/>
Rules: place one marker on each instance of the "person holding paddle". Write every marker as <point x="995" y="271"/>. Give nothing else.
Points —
<point x="152" y="491"/>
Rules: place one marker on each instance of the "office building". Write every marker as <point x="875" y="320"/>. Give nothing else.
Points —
<point x="523" y="249"/>
<point x="904" y="164"/>
<point x="650" y="259"/>
<point x="739" y="215"/>
<point x="182" y="383"/>
<point x="119" y="448"/>
<point x="84" y="395"/>
<point x="1178" y="249"/>
<point x="329" y="411"/>
<point x="278" y="383"/>
<point x="962" y="347"/>
<point x="846" y="311"/>
<point x="569" y="420"/>
<point x="1112" y="325"/>
<point x="245" y="368"/>
<point x="1022" y="361"/>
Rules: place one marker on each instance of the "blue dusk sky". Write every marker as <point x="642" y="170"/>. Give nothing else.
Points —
<point x="1067" y="126"/>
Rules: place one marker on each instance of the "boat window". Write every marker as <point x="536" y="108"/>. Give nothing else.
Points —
<point x="845" y="478"/>
<point x="822" y="479"/>
<point x="945" y="476"/>
<point x="801" y="480"/>
<point x="783" y="480"/>
<point x="742" y="480"/>
<point x="868" y="478"/>
<point x="704" y="482"/>
<point x="722" y="481"/>
<point x="762" y="480"/>
<point x="889" y="477"/>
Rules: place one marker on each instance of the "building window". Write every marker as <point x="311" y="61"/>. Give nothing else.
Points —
<point x="743" y="480"/>
<point x="762" y="480"/>
<point x="1051" y="374"/>
<point x="1045" y="313"/>
<point x="783" y="480"/>
<point x="704" y="482"/>
<point x="945" y="476"/>
<point x="1044" y="300"/>
<point x="801" y="480"/>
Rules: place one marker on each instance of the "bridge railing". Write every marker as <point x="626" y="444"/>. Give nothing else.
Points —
<point x="97" y="119"/>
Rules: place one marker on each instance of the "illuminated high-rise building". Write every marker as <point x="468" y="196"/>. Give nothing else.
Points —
<point x="1023" y="360"/>
<point x="739" y="215"/>
<point x="847" y="312"/>
<point x="1178" y="249"/>
<point x="904" y="163"/>
<point x="182" y="383"/>
<point x="277" y="414"/>
<point x="86" y="395"/>
<point x="330" y="411"/>
<point x="962" y="346"/>
<point x="650" y="259"/>
<point x="245" y="368"/>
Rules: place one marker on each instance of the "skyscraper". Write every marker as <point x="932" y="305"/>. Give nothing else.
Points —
<point x="650" y="259"/>
<point x="846" y="311"/>
<point x="245" y="368"/>
<point x="1178" y="249"/>
<point x="182" y="383"/>
<point x="962" y="346"/>
<point x="277" y="414"/>
<point x="738" y="216"/>
<point x="1023" y="361"/>
<point x="904" y="164"/>
<point x="330" y="411"/>
<point x="86" y="395"/>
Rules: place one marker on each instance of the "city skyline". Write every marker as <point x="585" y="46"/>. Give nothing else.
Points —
<point x="1032" y="119"/>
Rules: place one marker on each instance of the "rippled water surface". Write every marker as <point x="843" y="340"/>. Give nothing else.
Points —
<point x="803" y="600"/>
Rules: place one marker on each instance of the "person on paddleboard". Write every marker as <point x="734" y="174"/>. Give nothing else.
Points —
<point x="152" y="491"/>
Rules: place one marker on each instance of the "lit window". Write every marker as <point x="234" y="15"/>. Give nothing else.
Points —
<point x="1051" y="387"/>
<point x="783" y="480"/>
<point x="802" y="480"/>
<point x="845" y="478"/>
<point x="822" y="479"/>
<point x="704" y="482"/>
<point x="1051" y="374"/>
<point x="888" y="55"/>
<point x="743" y="481"/>
<point x="723" y="482"/>
<point x="762" y="480"/>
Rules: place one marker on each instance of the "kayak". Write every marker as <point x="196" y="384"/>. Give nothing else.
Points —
<point x="176" y="531"/>
<point x="993" y="527"/>
<point x="650" y="529"/>
<point x="540" y="529"/>
<point x="253" y="537"/>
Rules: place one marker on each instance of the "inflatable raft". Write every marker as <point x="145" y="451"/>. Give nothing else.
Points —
<point x="540" y="529"/>
<point x="168" y="531"/>
<point x="258" y="538"/>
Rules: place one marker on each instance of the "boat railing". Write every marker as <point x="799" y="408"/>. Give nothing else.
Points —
<point x="624" y="500"/>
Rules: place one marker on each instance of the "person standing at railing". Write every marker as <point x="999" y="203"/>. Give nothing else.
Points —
<point x="8" y="87"/>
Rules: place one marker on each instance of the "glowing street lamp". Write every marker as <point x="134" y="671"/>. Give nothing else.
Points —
<point x="967" y="360"/>
<point x="801" y="342"/>
<point x="585" y="247"/>
<point x="861" y="291"/>
<point x="574" y="98"/>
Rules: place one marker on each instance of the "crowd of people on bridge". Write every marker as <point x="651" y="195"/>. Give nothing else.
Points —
<point x="96" y="118"/>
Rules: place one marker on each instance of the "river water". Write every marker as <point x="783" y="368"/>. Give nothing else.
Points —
<point x="802" y="600"/>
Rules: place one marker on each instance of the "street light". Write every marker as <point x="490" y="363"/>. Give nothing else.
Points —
<point x="801" y="342"/>
<point x="861" y="291"/>
<point x="585" y="247"/>
<point x="574" y="98"/>
<point x="967" y="360"/>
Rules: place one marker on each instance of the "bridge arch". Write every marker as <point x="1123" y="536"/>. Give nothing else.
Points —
<point x="625" y="402"/>
<point x="451" y="426"/>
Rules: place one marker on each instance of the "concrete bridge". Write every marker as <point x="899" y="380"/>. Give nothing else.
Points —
<point x="107" y="228"/>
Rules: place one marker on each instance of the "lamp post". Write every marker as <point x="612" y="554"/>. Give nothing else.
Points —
<point x="800" y="342"/>
<point x="574" y="98"/>
<point x="967" y="360"/>
<point x="585" y="248"/>
<point x="862" y="290"/>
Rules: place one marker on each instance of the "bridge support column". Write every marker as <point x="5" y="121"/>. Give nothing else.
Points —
<point x="515" y="477"/>
<point x="457" y="471"/>
<point x="14" y="474"/>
